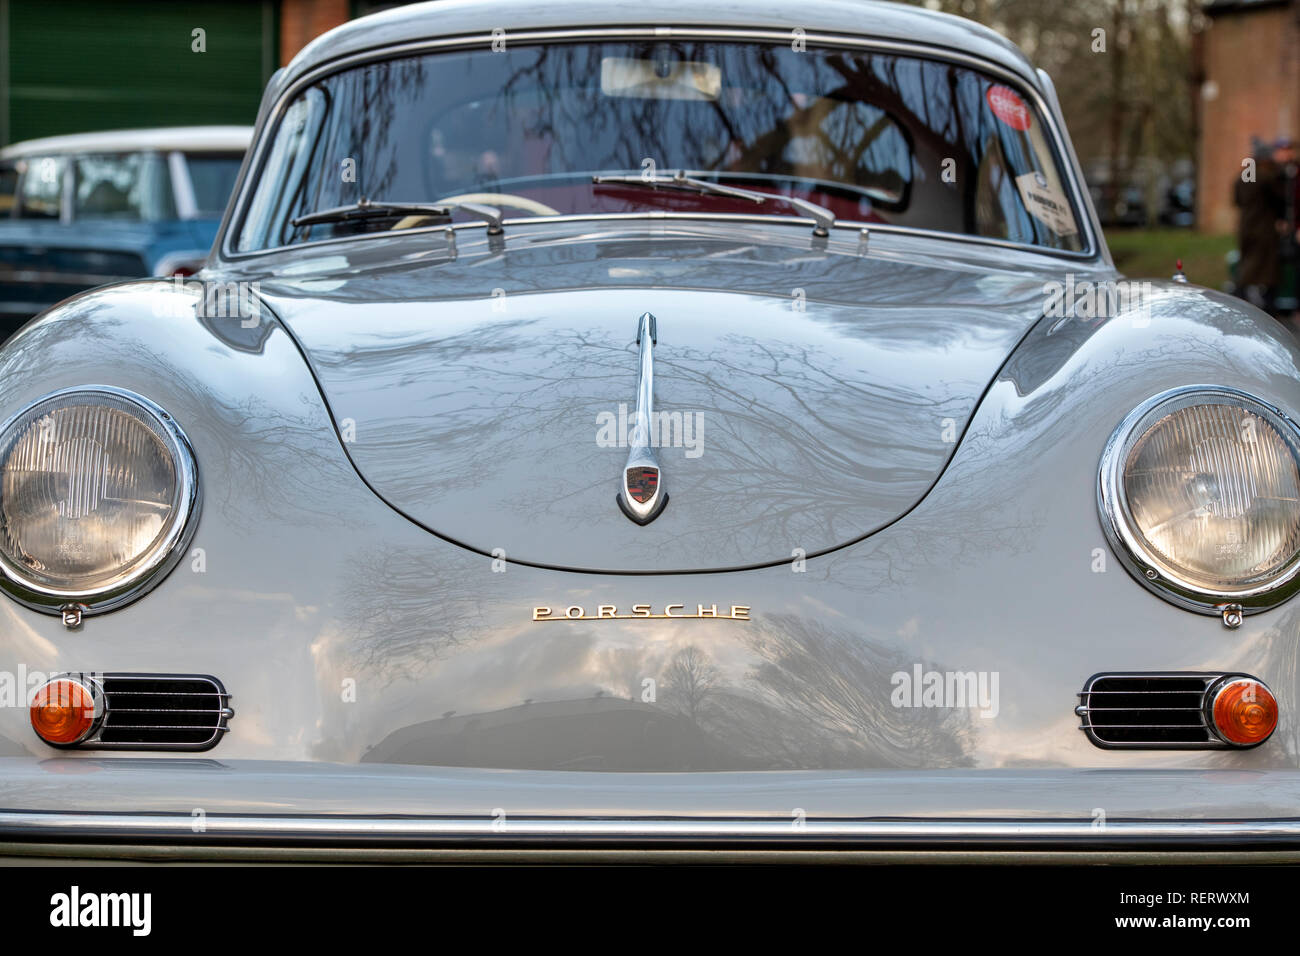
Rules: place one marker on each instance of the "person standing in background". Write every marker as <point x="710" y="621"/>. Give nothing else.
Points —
<point x="1287" y="188"/>
<point x="1257" y="201"/>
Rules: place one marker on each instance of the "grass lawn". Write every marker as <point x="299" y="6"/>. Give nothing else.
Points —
<point x="1151" y="254"/>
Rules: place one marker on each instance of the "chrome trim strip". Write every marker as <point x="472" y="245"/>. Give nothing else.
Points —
<point x="595" y="831"/>
<point x="641" y="453"/>
<point x="252" y="168"/>
<point x="17" y="853"/>
<point x="1155" y="575"/>
<point x="853" y="226"/>
<point x="158" y="562"/>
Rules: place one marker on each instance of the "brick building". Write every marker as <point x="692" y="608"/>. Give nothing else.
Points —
<point x="301" y="21"/>
<point x="1251" y="88"/>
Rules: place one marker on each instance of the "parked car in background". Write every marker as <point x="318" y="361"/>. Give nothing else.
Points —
<point x="1150" y="193"/>
<point x="1179" y="208"/>
<point x="84" y="210"/>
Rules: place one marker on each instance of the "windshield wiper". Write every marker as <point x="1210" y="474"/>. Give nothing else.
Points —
<point x="366" y="209"/>
<point x="823" y="217"/>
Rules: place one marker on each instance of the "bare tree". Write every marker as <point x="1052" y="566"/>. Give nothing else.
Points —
<point x="691" y="676"/>
<point x="1124" y="70"/>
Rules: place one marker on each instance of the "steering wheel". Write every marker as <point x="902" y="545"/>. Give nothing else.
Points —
<point x="503" y="199"/>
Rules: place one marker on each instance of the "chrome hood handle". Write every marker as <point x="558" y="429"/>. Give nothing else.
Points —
<point x="641" y="491"/>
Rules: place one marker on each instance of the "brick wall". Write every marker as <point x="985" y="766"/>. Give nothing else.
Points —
<point x="301" y="21"/>
<point x="1252" y="87"/>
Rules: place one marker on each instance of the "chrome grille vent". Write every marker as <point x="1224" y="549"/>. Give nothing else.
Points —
<point x="160" y="712"/>
<point x="1148" y="711"/>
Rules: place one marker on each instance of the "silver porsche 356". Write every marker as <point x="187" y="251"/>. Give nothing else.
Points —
<point x="651" y="428"/>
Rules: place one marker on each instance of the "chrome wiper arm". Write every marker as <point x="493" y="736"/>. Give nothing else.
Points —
<point x="823" y="218"/>
<point x="367" y="209"/>
<point x="679" y="180"/>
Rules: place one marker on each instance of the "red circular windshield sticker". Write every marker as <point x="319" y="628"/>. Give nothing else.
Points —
<point x="1009" y="107"/>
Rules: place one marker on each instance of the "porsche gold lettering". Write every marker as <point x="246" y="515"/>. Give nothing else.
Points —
<point x="642" y="612"/>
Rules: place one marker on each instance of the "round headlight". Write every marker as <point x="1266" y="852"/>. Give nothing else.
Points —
<point x="98" y="497"/>
<point x="1200" y="495"/>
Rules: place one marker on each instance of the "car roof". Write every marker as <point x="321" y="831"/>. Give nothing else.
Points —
<point x="164" y="139"/>
<point x="855" y="18"/>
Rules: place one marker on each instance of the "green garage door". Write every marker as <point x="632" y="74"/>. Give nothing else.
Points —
<point x="73" y="66"/>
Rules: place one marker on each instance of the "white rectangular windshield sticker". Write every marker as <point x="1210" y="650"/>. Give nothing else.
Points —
<point x="1046" y="203"/>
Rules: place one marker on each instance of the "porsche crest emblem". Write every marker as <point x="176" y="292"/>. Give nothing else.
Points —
<point x="642" y="482"/>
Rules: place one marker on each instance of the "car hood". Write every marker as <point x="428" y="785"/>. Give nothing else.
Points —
<point x="812" y="396"/>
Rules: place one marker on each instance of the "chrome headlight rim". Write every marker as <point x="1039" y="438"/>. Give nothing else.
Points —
<point x="158" y="560"/>
<point x="1127" y="544"/>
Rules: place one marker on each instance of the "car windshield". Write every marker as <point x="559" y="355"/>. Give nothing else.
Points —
<point x="122" y="186"/>
<point x="874" y="137"/>
<point x="129" y="186"/>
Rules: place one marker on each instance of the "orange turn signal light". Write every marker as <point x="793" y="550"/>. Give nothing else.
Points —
<point x="63" y="711"/>
<point x="1244" y="711"/>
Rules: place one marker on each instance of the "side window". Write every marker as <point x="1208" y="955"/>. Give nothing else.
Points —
<point x="212" y="176"/>
<point x="283" y="172"/>
<point x="40" y="195"/>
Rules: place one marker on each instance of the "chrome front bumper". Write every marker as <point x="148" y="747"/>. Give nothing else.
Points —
<point x="116" y="808"/>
